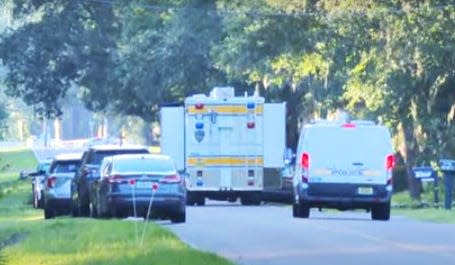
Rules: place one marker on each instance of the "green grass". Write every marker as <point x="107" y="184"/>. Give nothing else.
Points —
<point x="423" y="209"/>
<point x="17" y="159"/>
<point x="85" y="241"/>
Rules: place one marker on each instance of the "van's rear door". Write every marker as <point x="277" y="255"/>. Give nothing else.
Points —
<point x="348" y="154"/>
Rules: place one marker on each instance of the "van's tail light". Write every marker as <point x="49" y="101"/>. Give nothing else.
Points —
<point x="51" y="181"/>
<point x="305" y="164"/>
<point x="170" y="179"/>
<point x="389" y="165"/>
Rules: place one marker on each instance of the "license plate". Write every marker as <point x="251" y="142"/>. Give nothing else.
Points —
<point x="144" y="185"/>
<point x="365" y="190"/>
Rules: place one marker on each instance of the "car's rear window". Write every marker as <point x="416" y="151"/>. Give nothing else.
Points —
<point x="98" y="156"/>
<point x="143" y="165"/>
<point x="66" y="166"/>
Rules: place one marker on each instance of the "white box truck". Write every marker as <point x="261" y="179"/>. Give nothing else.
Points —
<point x="344" y="165"/>
<point x="223" y="144"/>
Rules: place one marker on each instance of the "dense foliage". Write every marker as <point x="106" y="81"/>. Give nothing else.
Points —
<point x="391" y="60"/>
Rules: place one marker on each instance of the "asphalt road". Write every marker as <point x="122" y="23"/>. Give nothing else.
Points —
<point x="269" y="235"/>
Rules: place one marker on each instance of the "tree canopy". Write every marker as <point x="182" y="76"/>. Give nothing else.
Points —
<point x="391" y="61"/>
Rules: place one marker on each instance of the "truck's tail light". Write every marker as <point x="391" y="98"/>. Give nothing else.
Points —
<point x="170" y="179"/>
<point x="250" y="125"/>
<point x="51" y="181"/>
<point x="305" y="164"/>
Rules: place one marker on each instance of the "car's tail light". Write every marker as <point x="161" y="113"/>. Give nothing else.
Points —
<point x="389" y="165"/>
<point x="115" y="179"/>
<point x="305" y="164"/>
<point x="171" y="179"/>
<point x="51" y="181"/>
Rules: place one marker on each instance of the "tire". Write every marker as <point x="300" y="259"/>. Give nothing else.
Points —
<point x="232" y="199"/>
<point x="381" y="211"/>
<point x="251" y="199"/>
<point x="190" y="198"/>
<point x="179" y="218"/>
<point x="200" y="200"/>
<point x="300" y="210"/>
<point x="48" y="213"/>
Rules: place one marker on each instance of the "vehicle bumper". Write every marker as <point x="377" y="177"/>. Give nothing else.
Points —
<point x="335" y="195"/>
<point x="58" y="203"/>
<point x="160" y="204"/>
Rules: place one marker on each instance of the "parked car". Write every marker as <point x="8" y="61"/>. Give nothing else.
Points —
<point x="57" y="188"/>
<point x="37" y="178"/>
<point x="89" y="170"/>
<point x="128" y="182"/>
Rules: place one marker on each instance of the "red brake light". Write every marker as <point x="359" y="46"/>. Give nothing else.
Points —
<point x="51" y="181"/>
<point x="114" y="179"/>
<point x="199" y="106"/>
<point x="171" y="179"/>
<point x="348" y="125"/>
<point x="250" y="125"/>
<point x="305" y="161"/>
<point x="390" y="162"/>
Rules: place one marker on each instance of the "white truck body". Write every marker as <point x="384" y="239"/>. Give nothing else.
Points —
<point x="223" y="143"/>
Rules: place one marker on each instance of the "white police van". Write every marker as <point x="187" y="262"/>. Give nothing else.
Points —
<point x="344" y="165"/>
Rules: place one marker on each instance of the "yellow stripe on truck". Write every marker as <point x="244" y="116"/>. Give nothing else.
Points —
<point x="224" y="109"/>
<point x="224" y="161"/>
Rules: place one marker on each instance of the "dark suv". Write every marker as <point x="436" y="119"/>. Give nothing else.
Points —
<point x="89" y="171"/>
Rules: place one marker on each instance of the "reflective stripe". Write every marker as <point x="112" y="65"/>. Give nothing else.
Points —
<point x="224" y="161"/>
<point x="224" y="109"/>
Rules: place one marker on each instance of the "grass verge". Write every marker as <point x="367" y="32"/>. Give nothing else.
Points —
<point x="83" y="241"/>
<point x="423" y="209"/>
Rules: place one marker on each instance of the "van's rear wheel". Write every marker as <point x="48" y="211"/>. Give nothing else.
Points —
<point x="381" y="211"/>
<point x="300" y="210"/>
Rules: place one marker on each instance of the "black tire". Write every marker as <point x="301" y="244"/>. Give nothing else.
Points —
<point x="300" y="210"/>
<point x="179" y="218"/>
<point x="251" y="199"/>
<point x="381" y="211"/>
<point x="200" y="200"/>
<point x="190" y="198"/>
<point x="48" y="213"/>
